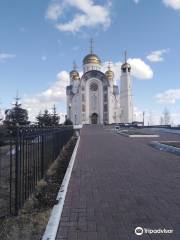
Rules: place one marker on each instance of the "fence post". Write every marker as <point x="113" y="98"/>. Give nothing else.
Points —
<point x="16" y="170"/>
<point x="42" y="154"/>
<point x="10" y="173"/>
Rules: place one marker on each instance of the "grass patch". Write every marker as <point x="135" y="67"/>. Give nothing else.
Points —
<point x="172" y="144"/>
<point x="33" y="217"/>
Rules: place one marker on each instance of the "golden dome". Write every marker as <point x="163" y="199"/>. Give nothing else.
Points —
<point x="109" y="74"/>
<point x="91" y="59"/>
<point x="74" y="75"/>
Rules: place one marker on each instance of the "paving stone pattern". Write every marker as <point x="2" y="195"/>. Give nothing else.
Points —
<point x="118" y="184"/>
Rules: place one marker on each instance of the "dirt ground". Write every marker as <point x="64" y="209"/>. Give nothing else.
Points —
<point x="32" y="219"/>
<point x="4" y="179"/>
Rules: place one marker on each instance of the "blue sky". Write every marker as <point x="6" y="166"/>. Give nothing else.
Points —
<point x="40" y="39"/>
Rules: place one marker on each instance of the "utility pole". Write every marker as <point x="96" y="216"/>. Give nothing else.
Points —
<point x="143" y="117"/>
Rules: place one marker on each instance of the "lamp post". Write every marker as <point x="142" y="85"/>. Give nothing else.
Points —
<point x="143" y="117"/>
<point x="75" y="118"/>
<point x="70" y="111"/>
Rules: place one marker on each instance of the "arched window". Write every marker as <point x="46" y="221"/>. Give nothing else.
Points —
<point x="94" y="87"/>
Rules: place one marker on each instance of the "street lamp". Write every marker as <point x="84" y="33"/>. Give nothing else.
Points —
<point x="143" y="117"/>
<point x="75" y="118"/>
<point x="70" y="111"/>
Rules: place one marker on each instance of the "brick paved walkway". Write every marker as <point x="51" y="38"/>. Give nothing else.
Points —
<point x="118" y="184"/>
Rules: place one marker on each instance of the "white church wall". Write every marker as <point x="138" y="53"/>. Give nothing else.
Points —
<point x="99" y="105"/>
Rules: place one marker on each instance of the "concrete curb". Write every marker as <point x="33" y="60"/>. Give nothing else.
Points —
<point x="139" y="135"/>
<point x="144" y="136"/>
<point x="53" y="223"/>
<point x="165" y="148"/>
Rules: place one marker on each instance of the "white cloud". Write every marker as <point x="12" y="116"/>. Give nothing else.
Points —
<point x="55" y="94"/>
<point x="157" y="56"/>
<point x="88" y="14"/>
<point x="169" y="96"/>
<point x="6" y="56"/>
<point x="175" y="4"/>
<point x="54" y="11"/>
<point x="140" y="69"/>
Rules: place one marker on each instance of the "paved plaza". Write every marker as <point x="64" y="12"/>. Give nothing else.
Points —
<point x="118" y="184"/>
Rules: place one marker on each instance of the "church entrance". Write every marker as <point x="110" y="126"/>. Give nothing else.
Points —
<point x="94" y="118"/>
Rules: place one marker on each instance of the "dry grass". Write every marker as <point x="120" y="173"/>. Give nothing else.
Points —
<point x="172" y="144"/>
<point x="32" y="219"/>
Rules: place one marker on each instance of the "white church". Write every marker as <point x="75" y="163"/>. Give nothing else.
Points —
<point x="94" y="98"/>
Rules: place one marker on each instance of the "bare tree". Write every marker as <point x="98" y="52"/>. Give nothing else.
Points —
<point x="150" y="122"/>
<point x="166" y="116"/>
<point x="161" y="122"/>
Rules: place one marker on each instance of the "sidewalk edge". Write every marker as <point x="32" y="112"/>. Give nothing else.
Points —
<point x="54" y="220"/>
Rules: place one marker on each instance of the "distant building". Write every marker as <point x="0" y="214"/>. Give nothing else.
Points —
<point x="94" y="98"/>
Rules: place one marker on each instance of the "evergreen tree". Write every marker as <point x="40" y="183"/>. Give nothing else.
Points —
<point x="54" y="117"/>
<point x="17" y="116"/>
<point x="44" y="119"/>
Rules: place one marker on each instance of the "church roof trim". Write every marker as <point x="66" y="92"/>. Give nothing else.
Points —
<point x="95" y="74"/>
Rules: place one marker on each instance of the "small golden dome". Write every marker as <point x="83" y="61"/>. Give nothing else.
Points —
<point x="91" y="59"/>
<point x="109" y="74"/>
<point x="74" y="75"/>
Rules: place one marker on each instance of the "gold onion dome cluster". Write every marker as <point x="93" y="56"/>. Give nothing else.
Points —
<point x="91" y="59"/>
<point x="74" y="75"/>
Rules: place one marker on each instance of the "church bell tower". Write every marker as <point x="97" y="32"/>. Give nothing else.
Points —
<point x="126" y="101"/>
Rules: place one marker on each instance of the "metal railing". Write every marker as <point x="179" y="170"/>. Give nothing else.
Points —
<point x="24" y="159"/>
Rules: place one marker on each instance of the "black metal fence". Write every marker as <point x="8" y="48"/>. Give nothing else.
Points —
<point x="24" y="159"/>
